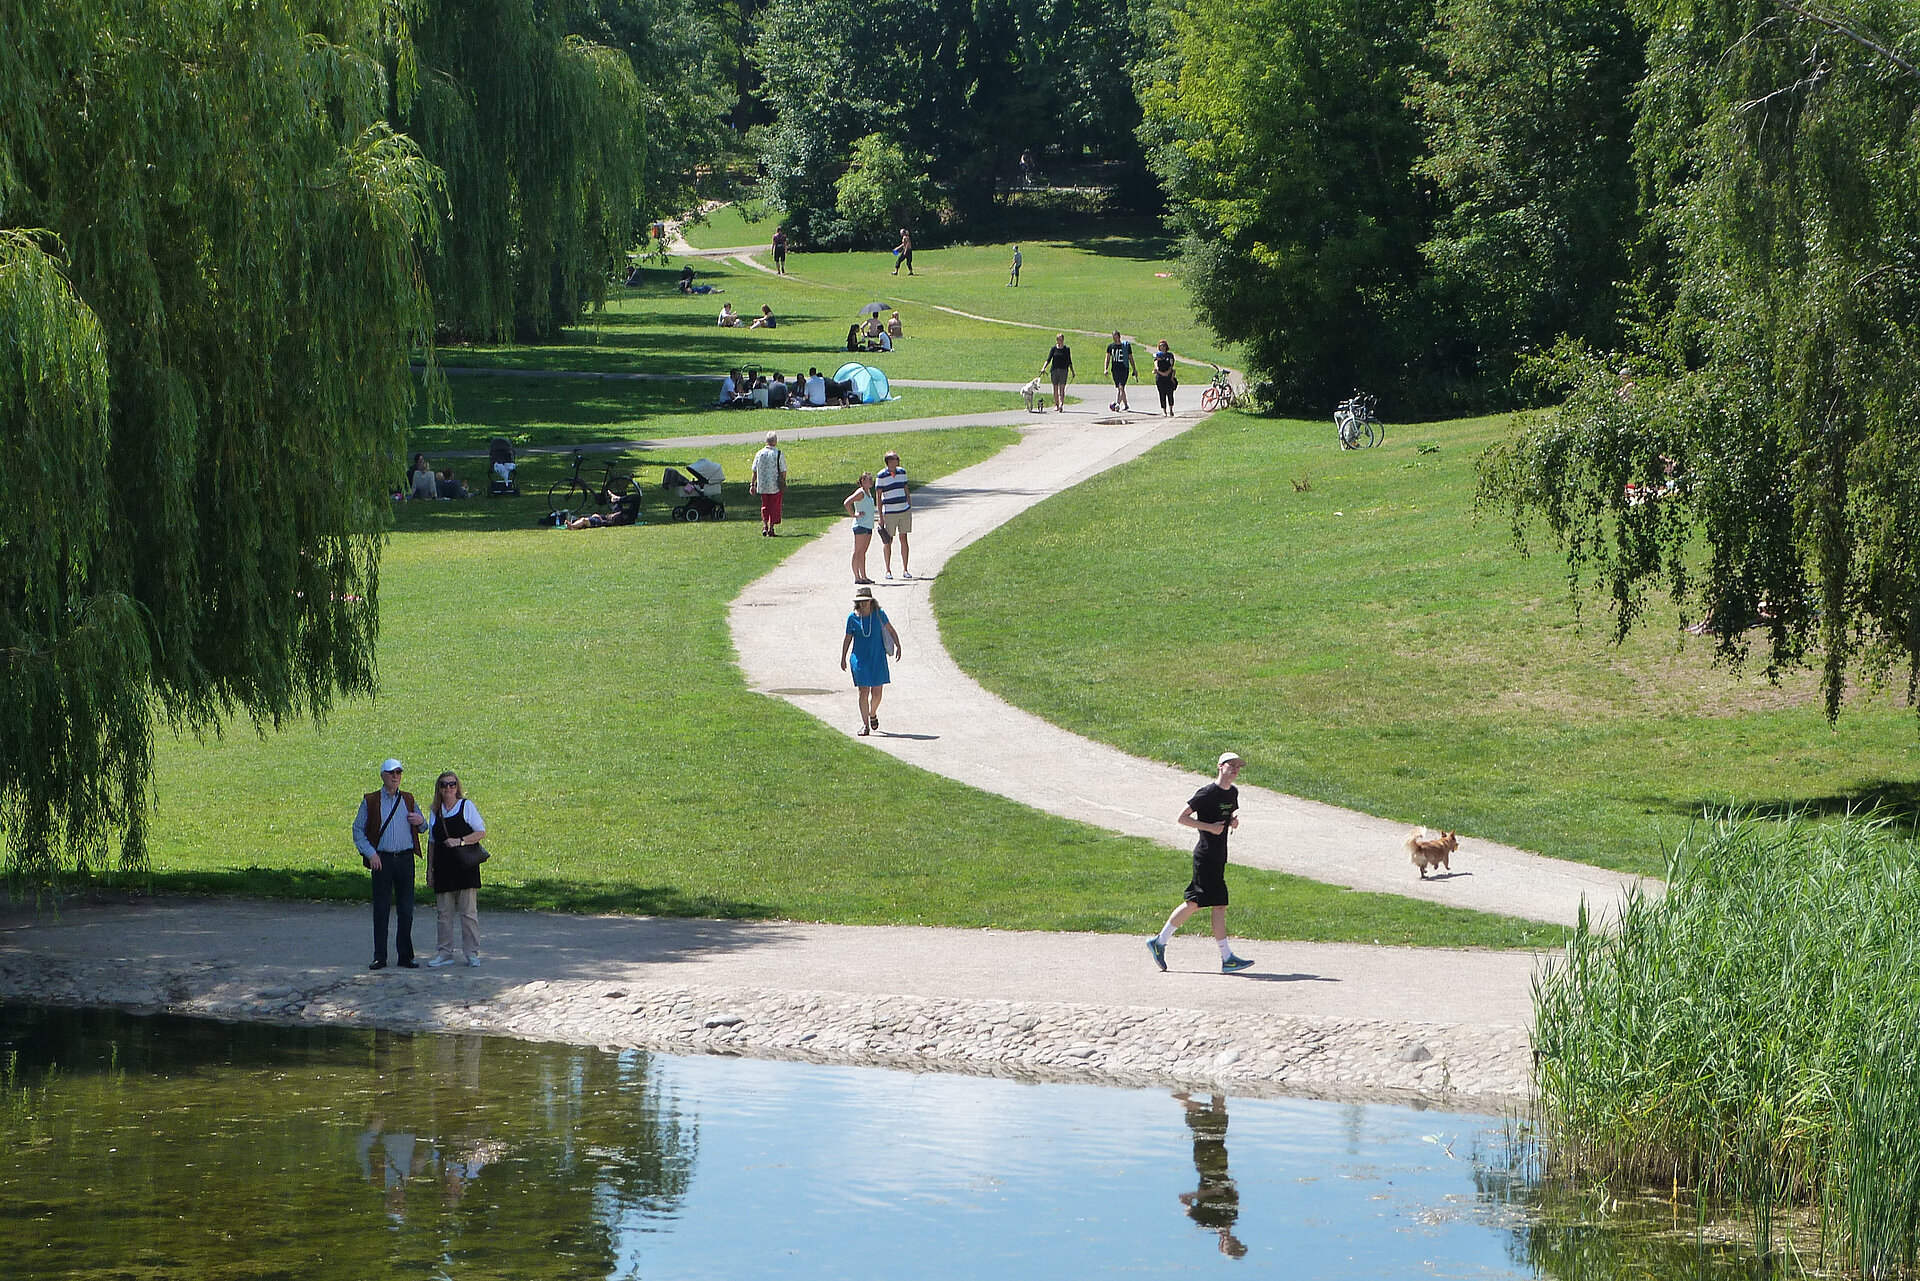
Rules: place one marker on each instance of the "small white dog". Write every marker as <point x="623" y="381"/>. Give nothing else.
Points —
<point x="1032" y="392"/>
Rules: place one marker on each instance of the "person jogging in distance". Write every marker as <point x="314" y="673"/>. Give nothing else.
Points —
<point x="1213" y="812"/>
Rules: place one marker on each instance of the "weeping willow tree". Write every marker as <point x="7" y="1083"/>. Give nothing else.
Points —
<point x="210" y="279"/>
<point x="538" y="133"/>
<point x="1757" y="451"/>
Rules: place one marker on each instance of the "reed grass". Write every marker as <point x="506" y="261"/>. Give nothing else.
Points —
<point x="1753" y="1035"/>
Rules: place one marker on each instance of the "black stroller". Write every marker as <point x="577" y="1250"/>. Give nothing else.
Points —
<point x="700" y="491"/>
<point x="505" y="482"/>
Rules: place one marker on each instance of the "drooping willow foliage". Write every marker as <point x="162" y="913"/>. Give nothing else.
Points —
<point x="210" y="278"/>
<point x="538" y="132"/>
<point x="1768" y="417"/>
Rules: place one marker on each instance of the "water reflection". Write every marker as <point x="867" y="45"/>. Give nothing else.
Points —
<point x="172" y="1148"/>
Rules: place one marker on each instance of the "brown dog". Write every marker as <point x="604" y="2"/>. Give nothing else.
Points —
<point x="1430" y="850"/>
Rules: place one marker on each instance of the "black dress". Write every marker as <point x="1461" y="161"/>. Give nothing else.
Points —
<point x="450" y="871"/>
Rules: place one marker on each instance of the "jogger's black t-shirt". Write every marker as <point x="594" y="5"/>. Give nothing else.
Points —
<point x="1214" y="804"/>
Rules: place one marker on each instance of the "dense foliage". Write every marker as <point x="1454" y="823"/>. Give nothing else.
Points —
<point x="1754" y="1033"/>
<point x="1753" y="450"/>
<point x="972" y="86"/>
<point x="209" y="278"/>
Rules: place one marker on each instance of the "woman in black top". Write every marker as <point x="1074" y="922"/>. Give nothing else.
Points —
<point x="455" y="884"/>
<point x="1163" y="376"/>
<point x="1059" y="362"/>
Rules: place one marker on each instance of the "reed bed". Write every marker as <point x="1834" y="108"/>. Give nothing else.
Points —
<point x="1753" y="1035"/>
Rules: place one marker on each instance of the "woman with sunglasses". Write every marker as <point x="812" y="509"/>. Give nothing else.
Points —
<point x="455" y="883"/>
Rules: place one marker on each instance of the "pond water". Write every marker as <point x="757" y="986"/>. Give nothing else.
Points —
<point x="162" y="1148"/>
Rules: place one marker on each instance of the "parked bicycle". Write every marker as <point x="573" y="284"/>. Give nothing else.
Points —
<point x="578" y="495"/>
<point x="1358" y="422"/>
<point x="1221" y="393"/>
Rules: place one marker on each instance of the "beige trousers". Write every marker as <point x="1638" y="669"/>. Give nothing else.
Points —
<point x="464" y="905"/>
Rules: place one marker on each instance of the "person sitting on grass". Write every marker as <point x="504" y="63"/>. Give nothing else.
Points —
<point x="816" y="393"/>
<point x="765" y="319"/>
<point x="729" y="318"/>
<point x="853" y="336"/>
<point x="625" y="512"/>
<point x="451" y="486"/>
<point x="734" y="392"/>
<point x="778" y="392"/>
<point x="686" y="278"/>
<point x="421" y="482"/>
<point x="894" y="328"/>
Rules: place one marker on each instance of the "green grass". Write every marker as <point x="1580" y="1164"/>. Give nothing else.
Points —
<point x="745" y="223"/>
<point x="584" y="686"/>
<point x="1366" y="642"/>
<point x="566" y="411"/>
<point x="1753" y="1034"/>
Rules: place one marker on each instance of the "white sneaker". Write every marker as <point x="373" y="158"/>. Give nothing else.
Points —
<point x="905" y="574"/>
<point x="471" y="960"/>
<point x="439" y="961"/>
<point x="889" y="575"/>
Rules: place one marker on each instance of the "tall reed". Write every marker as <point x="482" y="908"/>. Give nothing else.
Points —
<point x="1754" y="1034"/>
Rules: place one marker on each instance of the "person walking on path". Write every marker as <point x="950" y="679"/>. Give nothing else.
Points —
<point x="769" y="482"/>
<point x="903" y="253"/>
<point x="386" y="831"/>
<point x="896" y="514"/>
<point x="869" y="638"/>
<point x="862" y="508"/>
<point x="1120" y="365"/>
<point x="1013" y="272"/>
<point x="780" y="251"/>
<point x="1059" y="364"/>
<point x="1211" y="813"/>
<point x="455" y="882"/>
<point x="1165" y="379"/>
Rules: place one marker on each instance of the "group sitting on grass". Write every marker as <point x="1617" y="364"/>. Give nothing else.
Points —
<point x="424" y="482"/>
<point x="875" y="334"/>
<point x="755" y="390"/>
<point x="731" y="319"/>
<point x="688" y="287"/>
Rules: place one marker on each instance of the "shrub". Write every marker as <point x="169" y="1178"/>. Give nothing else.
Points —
<point x="1755" y="1033"/>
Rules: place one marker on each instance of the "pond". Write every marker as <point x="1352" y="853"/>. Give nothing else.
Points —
<point x="163" y="1147"/>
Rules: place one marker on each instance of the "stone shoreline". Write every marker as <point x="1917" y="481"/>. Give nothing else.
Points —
<point x="1458" y="1067"/>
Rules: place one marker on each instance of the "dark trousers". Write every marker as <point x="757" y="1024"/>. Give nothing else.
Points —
<point x="393" y="892"/>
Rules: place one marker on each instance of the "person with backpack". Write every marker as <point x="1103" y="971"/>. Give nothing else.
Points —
<point x="1120" y="365"/>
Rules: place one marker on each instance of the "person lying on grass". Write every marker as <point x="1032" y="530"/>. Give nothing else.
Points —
<point x="625" y="512"/>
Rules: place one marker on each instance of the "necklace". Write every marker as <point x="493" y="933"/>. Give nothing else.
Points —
<point x="866" y="623"/>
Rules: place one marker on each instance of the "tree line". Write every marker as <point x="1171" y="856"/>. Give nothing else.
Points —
<point x="224" y="231"/>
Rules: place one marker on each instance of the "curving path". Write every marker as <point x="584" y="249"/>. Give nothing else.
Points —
<point x="787" y="626"/>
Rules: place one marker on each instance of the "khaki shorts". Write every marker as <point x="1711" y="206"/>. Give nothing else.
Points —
<point x="899" y="522"/>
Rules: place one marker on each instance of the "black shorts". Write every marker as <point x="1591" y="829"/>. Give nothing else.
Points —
<point x="1120" y="375"/>
<point x="1208" y="888"/>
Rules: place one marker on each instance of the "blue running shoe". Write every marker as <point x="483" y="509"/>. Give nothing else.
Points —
<point x="1159" y="950"/>
<point x="1234" y="964"/>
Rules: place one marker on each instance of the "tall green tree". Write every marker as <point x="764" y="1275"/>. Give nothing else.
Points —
<point x="1529" y="119"/>
<point x="538" y="132"/>
<point x="1282" y="133"/>
<point x="1773" y="373"/>
<point x="209" y="283"/>
<point x="970" y="84"/>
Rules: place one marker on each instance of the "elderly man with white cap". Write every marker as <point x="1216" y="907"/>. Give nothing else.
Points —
<point x="386" y="831"/>
<point x="1213" y="813"/>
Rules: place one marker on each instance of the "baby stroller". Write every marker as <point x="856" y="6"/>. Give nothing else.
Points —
<point x="505" y="483"/>
<point x="701" y="491"/>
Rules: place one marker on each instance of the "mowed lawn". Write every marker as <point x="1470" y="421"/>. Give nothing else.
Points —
<point x="1343" y="621"/>
<point x="583" y="685"/>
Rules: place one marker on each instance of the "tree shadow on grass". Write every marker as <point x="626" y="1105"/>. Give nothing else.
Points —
<point x="1156" y="249"/>
<point x="537" y="895"/>
<point x="1884" y="798"/>
<point x="530" y="509"/>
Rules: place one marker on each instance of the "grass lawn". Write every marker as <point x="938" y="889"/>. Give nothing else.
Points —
<point x="583" y="684"/>
<point x="1364" y="642"/>
<point x="731" y="226"/>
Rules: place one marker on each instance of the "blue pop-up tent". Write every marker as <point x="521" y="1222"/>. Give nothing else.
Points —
<point x="869" y="384"/>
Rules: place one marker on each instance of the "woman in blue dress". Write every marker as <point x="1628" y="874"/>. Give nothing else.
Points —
<point x="870" y="637"/>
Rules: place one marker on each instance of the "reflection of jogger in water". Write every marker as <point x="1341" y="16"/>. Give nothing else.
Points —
<point x="1215" y="1204"/>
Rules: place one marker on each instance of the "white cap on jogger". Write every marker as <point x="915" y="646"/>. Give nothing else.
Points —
<point x="1228" y="756"/>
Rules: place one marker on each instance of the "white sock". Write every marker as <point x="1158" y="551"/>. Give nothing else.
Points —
<point x="1165" y="935"/>
<point x="1226" y="949"/>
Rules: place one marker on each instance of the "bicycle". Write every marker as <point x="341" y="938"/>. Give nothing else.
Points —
<point x="574" y="494"/>
<point x="1221" y="393"/>
<point x="1358" y="423"/>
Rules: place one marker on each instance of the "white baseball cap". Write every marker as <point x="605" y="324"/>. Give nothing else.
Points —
<point x="391" y="766"/>
<point x="1227" y="756"/>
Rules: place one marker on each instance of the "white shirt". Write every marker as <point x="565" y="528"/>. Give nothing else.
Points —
<point x="727" y="389"/>
<point x="465" y="809"/>
<point x="767" y="466"/>
<point x="816" y="390"/>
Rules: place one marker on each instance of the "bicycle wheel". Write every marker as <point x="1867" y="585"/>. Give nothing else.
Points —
<point x="1379" y="430"/>
<point x="1209" y="400"/>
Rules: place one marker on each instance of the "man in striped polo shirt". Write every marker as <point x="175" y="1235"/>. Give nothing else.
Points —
<point x="896" y="513"/>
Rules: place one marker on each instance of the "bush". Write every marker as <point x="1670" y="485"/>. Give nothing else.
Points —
<point x="884" y="187"/>
<point x="1754" y="1034"/>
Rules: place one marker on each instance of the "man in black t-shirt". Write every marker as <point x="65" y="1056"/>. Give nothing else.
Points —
<point x="1213" y="812"/>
